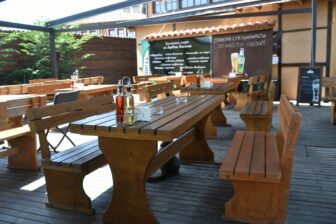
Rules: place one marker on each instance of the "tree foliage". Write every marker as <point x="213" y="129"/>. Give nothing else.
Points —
<point x="34" y="46"/>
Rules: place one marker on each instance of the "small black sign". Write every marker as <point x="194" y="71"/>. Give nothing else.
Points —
<point x="309" y="85"/>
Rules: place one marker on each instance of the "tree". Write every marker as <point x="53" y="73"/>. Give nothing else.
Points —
<point x="69" y="53"/>
<point x="35" y="46"/>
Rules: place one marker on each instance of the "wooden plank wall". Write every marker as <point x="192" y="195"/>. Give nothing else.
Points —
<point x="113" y="58"/>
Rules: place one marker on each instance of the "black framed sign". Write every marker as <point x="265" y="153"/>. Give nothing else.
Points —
<point x="309" y="85"/>
<point x="167" y="57"/>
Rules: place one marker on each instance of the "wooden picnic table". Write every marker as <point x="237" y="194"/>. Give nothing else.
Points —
<point x="178" y="80"/>
<point x="216" y="89"/>
<point x="131" y="151"/>
<point x="217" y="116"/>
<point x="87" y="92"/>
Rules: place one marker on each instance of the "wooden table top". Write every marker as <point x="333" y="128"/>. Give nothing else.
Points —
<point x="91" y="88"/>
<point x="255" y="108"/>
<point x="218" y="88"/>
<point x="176" y="119"/>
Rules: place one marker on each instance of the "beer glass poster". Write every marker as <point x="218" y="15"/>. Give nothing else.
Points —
<point x="189" y="55"/>
<point x="241" y="53"/>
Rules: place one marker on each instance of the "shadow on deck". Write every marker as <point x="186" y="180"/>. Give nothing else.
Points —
<point x="196" y="196"/>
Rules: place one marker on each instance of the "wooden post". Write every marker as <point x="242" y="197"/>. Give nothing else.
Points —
<point x="53" y="56"/>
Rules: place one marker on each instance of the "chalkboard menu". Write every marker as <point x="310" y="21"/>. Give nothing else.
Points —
<point x="168" y="57"/>
<point x="309" y="85"/>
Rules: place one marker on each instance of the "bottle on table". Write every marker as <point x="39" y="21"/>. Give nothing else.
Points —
<point x="128" y="105"/>
<point x="199" y="79"/>
<point x="120" y="103"/>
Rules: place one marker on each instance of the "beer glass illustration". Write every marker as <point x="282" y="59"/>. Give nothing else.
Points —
<point x="234" y="62"/>
<point x="316" y="90"/>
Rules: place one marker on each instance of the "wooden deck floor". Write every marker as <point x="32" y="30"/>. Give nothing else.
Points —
<point x="196" y="196"/>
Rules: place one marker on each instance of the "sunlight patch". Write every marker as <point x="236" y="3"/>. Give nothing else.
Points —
<point x="34" y="185"/>
<point x="98" y="182"/>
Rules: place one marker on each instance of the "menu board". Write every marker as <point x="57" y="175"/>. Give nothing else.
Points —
<point x="167" y="57"/>
<point x="243" y="53"/>
<point x="309" y="85"/>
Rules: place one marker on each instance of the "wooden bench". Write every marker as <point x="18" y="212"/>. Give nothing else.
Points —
<point x="14" y="89"/>
<point x="159" y="91"/>
<point x="329" y="85"/>
<point x="48" y="89"/>
<point x="253" y="93"/>
<point x="21" y="149"/>
<point x="257" y="115"/>
<point x="64" y="172"/>
<point x="95" y="80"/>
<point x="259" y="165"/>
<point x="46" y="80"/>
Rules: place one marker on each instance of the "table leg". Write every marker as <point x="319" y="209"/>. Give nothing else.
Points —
<point x="218" y="117"/>
<point x="199" y="149"/>
<point x="128" y="161"/>
<point x="210" y="129"/>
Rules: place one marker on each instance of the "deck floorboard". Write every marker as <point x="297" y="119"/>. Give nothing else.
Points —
<point x="196" y="195"/>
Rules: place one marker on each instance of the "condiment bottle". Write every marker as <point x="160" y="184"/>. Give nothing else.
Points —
<point x="120" y="103"/>
<point x="128" y="105"/>
<point x="198" y="80"/>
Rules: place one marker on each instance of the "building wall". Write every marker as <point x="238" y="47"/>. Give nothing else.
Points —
<point x="296" y="46"/>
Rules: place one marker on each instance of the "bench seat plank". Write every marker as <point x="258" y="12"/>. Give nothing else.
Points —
<point x="75" y="154"/>
<point x="258" y="157"/>
<point x="244" y="160"/>
<point x="14" y="133"/>
<point x="252" y="156"/>
<point x="231" y="156"/>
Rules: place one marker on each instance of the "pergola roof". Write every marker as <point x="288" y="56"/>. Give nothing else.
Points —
<point x="215" y="30"/>
<point x="186" y="14"/>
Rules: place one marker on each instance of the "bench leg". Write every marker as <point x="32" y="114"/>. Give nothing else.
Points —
<point x="255" y="124"/>
<point x="65" y="191"/>
<point x="257" y="202"/>
<point x="26" y="158"/>
<point x="128" y="161"/>
<point x="199" y="149"/>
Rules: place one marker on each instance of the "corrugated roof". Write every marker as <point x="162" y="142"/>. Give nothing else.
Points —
<point x="215" y="30"/>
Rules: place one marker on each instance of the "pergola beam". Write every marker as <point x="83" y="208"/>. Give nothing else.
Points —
<point x="95" y="12"/>
<point x="151" y="21"/>
<point x="25" y="26"/>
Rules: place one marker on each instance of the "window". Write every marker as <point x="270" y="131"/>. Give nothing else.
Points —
<point x="165" y="6"/>
<point x="131" y="34"/>
<point x="127" y="9"/>
<point x="112" y="33"/>
<point x="192" y="3"/>
<point x="136" y="9"/>
<point x="121" y="33"/>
